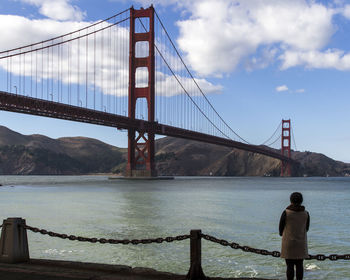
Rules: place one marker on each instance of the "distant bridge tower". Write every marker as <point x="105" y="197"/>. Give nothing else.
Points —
<point x="141" y="144"/>
<point x="285" y="167"/>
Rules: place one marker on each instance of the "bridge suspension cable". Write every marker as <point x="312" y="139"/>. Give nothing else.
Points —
<point x="274" y="142"/>
<point x="65" y="35"/>
<point x="273" y="134"/>
<point x="89" y="69"/>
<point x="86" y="68"/>
<point x="295" y="145"/>
<point x="182" y="86"/>
<point x="207" y="104"/>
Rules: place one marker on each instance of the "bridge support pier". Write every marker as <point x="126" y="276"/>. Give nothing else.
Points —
<point x="141" y="144"/>
<point x="140" y="155"/>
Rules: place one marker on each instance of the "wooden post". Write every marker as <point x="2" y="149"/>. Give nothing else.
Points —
<point x="196" y="272"/>
<point x="14" y="242"/>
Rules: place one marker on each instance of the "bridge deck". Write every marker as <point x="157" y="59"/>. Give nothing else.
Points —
<point x="27" y="105"/>
<point x="65" y="270"/>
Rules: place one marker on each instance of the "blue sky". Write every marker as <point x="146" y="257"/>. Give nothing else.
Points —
<point x="273" y="59"/>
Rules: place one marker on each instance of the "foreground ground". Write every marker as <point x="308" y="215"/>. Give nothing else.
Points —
<point x="64" y="270"/>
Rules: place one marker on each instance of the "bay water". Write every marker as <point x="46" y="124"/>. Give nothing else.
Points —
<point x="245" y="210"/>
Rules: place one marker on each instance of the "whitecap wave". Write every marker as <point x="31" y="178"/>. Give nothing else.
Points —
<point x="311" y="266"/>
<point x="251" y="271"/>
<point x="61" y="252"/>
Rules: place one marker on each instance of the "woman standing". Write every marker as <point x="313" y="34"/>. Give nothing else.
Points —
<point x="294" y="224"/>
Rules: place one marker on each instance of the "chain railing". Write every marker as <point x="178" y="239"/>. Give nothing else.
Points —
<point x="234" y="245"/>
<point x="333" y="257"/>
<point x="110" y="241"/>
<point x="169" y="239"/>
<point x="195" y="272"/>
<point x="276" y="254"/>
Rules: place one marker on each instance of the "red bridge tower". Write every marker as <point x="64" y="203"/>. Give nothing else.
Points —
<point x="141" y="144"/>
<point x="285" y="167"/>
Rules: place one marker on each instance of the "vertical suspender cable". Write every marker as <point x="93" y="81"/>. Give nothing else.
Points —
<point x="95" y="71"/>
<point x="101" y="68"/>
<point x="86" y="68"/>
<point x="52" y="71"/>
<point x="31" y="72"/>
<point x="78" y="74"/>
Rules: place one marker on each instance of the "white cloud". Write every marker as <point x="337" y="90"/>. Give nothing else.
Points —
<point x="66" y="63"/>
<point x="19" y="31"/>
<point x="346" y="11"/>
<point x="336" y="59"/>
<point x="285" y="88"/>
<point x="281" y="88"/>
<point x="209" y="88"/>
<point x="220" y="35"/>
<point x="262" y="59"/>
<point x="57" y="9"/>
<point x="166" y="82"/>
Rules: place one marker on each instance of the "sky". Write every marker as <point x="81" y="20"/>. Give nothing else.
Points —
<point x="271" y="60"/>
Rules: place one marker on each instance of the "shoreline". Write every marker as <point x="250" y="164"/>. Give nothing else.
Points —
<point x="52" y="180"/>
<point x="43" y="269"/>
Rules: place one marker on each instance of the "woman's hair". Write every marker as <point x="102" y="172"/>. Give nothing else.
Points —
<point x="296" y="198"/>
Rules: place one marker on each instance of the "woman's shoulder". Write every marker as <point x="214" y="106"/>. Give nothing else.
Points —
<point x="293" y="212"/>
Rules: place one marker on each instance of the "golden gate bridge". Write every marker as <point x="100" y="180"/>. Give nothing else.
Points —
<point x="123" y="72"/>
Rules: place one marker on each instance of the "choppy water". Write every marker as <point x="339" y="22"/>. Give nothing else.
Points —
<point x="243" y="210"/>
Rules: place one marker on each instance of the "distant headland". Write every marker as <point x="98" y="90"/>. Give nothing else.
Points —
<point x="41" y="155"/>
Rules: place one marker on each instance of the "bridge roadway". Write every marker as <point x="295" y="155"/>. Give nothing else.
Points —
<point x="41" y="269"/>
<point x="34" y="106"/>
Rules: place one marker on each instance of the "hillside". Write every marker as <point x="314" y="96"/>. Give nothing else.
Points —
<point x="182" y="157"/>
<point x="190" y="158"/>
<point x="38" y="154"/>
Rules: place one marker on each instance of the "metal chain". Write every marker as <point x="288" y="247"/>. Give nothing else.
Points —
<point x="333" y="257"/>
<point x="233" y="245"/>
<point x="276" y="254"/>
<point x="110" y="241"/>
